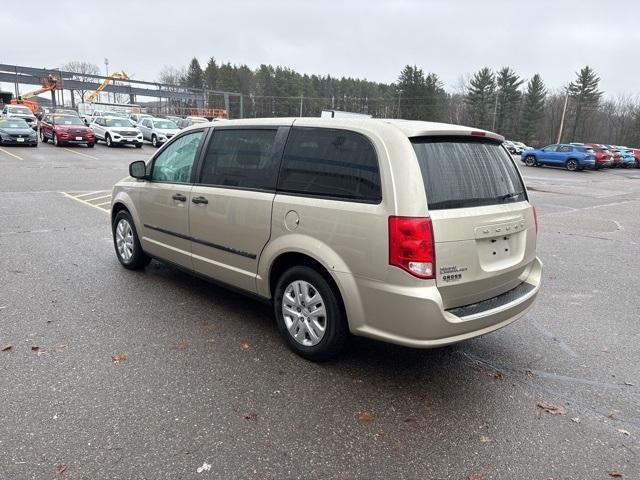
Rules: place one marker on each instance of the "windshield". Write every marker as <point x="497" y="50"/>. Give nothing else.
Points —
<point x="19" y="110"/>
<point x="460" y="172"/>
<point x="164" y="124"/>
<point x="118" y="122"/>
<point x="13" y="123"/>
<point x="67" y="121"/>
<point x="199" y="120"/>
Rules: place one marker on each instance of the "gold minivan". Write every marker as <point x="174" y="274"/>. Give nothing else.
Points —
<point x="415" y="233"/>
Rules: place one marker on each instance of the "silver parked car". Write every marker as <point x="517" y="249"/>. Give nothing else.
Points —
<point x="157" y="130"/>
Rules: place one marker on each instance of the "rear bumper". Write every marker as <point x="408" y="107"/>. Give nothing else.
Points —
<point x="415" y="317"/>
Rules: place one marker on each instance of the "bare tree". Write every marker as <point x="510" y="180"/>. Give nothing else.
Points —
<point x="84" y="72"/>
<point x="172" y="75"/>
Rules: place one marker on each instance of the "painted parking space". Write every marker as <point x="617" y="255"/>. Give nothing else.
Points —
<point x="98" y="199"/>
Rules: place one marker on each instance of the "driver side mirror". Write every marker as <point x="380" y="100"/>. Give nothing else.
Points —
<point x="138" y="169"/>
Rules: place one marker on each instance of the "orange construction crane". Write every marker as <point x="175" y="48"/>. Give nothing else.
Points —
<point x="93" y="96"/>
<point x="49" y="83"/>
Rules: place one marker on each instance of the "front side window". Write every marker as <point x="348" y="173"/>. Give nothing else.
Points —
<point x="174" y="163"/>
<point x="330" y="163"/>
<point x="460" y="172"/>
<point x="241" y="159"/>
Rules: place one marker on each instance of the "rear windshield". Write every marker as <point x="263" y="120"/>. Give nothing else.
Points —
<point x="460" y="172"/>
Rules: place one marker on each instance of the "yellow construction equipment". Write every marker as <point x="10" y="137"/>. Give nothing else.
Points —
<point x="49" y="83"/>
<point x="93" y="96"/>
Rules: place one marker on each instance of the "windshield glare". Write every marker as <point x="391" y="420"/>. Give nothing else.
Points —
<point x="14" y="123"/>
<point x="164" y="124"/>
<point x="118" y="122"/>
<point x="20" y="110"/>
<point x="67" y="121"/>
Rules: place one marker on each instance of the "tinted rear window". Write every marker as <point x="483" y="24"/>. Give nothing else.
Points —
<point x="330" y="163"/>
<point x="464" y="172"/>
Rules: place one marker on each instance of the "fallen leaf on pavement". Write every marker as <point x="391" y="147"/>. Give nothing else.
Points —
<point x="616" y="474"/>
<point x="611" y="414"/>
<point x="253" y="417"/>
<point x="117" y="359"/>
<point x="410" y="420"/>
<point x="551" y="408"/>
<point x="182" y="345"/>
<point x="498" y="376"/>
<point x="61" y="468"/>
<point x="484" y="439"/>
<point x="399" y="445"/>
<point x="35" y="348"/>
<point x="477" y="476"/>
<point x="624" y="432"/>
<point x="204" y="468"/>
<point x="245" y="346"/>
<point x="7" y="347"/>
<point x="211" y="340"/>
<point x="366" y="416"/>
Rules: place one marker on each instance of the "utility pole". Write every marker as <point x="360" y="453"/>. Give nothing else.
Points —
<point x="399" y="97"/>
<point x="106" y="66"/>
<point x="495" y="113"/>
<point x="301" y="99"/>
<point x="564" y="111"/>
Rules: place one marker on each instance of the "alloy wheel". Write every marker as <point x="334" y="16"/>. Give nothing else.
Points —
<point x="124" y="240"/>
<point x="304" y="313"/>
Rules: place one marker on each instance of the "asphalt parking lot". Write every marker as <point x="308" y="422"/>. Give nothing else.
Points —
<point x="204" y="379"/>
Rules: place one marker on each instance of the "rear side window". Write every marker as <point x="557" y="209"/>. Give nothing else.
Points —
<point x="241" y="159"/>
<point x="330" y="163"/>
<point x="460" y="172"/>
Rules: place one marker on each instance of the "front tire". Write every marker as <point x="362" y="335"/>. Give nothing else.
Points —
<point x="43" y="139"/>
<point x="530" y="161"/>
<point x="126" y="242"/>
<point x="309" y="314"/>
<point x="154" y="141"/>
<point x="91" y="145"/>
<point x="56" y="142"/>
<point x="108" y="141"/>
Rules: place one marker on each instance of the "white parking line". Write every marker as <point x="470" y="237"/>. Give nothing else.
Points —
<point x="91" y="193"/>
<point x="106" y="210"/>
<point x="103" y="203"/>
<point x="97" y="198"/>
<point x="80" y="153"/>
<point x="11" y="154"/>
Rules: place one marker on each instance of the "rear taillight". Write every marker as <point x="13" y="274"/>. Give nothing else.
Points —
<point x="411" y="245"/>
<point x="535" y="219"/>
<point x="476" y="133"/>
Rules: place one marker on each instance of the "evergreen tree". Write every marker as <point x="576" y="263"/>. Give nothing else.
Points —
<point x="480" y="98"/>
<point x="508" y="100"/>
<point x="533" y="111"/>
<point x="195" y="76"/>
<point x="585" y="94"/>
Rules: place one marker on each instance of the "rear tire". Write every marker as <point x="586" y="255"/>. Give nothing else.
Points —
<point x="530" y="161"/>
<point x="315" y="337"/>
<point x="126" y="242"/>
<point x="572" y="165"/>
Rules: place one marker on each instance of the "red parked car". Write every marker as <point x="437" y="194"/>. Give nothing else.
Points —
<point x="636" y="153"/>
<point x="603" y="156"/>
<point x="66" y="129"/>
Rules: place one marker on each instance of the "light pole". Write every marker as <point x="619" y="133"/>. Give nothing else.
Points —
<point x="399" y="98"/>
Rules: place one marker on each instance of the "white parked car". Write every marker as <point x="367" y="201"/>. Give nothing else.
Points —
<point x="116" y="131"/>
<point x="136" y="118"/>
<point x="20" y="111"/>
<point x="157" y="130"/>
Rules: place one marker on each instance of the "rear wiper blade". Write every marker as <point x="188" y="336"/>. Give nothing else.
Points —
<point x="510" y="195"/>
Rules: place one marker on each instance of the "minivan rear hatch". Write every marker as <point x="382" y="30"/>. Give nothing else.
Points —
<point x="483" y="224"/>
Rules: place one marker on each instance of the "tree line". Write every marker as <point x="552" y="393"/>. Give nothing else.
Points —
<point x="501" y="100"/>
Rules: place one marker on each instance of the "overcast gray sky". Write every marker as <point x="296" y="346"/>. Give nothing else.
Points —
<point x="359" y="38"/>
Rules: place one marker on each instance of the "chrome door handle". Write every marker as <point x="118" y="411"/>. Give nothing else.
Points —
<point x="198" y="200"/>
<point x="179" y="197"/>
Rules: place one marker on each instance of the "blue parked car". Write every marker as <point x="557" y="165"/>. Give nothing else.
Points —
<point x="628" y="158"/>
<point x="571" y="157"/>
